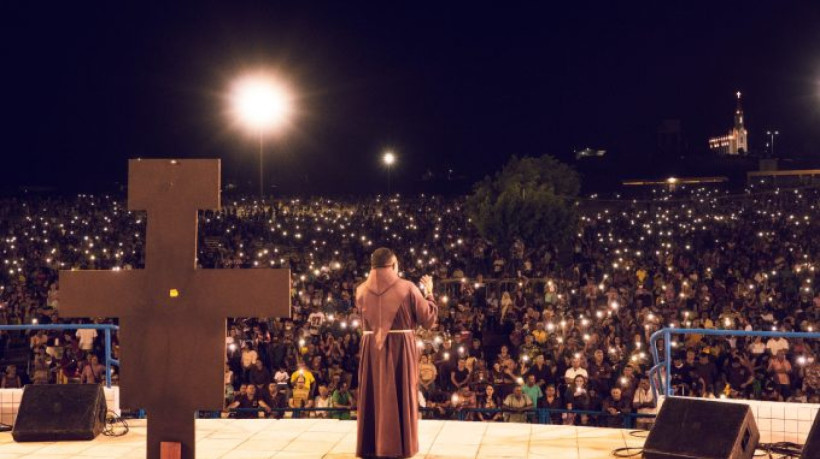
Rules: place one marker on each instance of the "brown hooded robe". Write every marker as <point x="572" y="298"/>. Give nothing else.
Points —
<point x="388" y="371"/>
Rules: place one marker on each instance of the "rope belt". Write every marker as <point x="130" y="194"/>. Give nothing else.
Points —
<point x="369" y="332"/>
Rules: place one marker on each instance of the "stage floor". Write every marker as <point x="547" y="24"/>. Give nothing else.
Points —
<point x="323" y="438"/>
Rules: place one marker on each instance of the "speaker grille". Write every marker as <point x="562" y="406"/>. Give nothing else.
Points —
<point x="60" y="412"/>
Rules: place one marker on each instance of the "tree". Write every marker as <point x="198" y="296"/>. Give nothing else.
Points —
<point x="530" y="198"/>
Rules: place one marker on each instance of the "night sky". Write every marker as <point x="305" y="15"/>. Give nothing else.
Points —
<point x="459" y="87"/>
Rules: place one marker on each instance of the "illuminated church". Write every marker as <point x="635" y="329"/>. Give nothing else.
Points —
<point x="736" y="142"/>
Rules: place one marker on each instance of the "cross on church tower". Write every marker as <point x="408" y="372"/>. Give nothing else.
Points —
<point x="173" y="316"/>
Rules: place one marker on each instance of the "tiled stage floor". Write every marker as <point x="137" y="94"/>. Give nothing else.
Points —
<point x="315" y="438"/>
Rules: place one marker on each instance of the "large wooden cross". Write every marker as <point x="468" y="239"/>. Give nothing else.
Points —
<point x="172" y="315"/>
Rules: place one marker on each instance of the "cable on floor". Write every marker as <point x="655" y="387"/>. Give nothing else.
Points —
<point x="115" y="425"/>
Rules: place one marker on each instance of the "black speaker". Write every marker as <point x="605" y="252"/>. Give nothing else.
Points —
<point x="689" y="428"/>
<point x="812" y="446"/>
<point x="58" y="412"/>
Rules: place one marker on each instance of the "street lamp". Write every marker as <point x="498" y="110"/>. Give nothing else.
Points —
<point x="388" y="158"/>
<point x="771" y="135"/>
<point x="260" y="103"/>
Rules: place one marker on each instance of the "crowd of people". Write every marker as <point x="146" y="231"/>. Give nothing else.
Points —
<point x="559" y="327"/>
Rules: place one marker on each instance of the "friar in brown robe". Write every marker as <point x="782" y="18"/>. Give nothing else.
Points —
<point x="391" y="308"/>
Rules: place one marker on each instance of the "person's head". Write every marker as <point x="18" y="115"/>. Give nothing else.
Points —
<point x="576" y="362"/>
<point x="599" y="355"/>
<point x="384" y="258"/>
<point x="461" y="364"/>
<point x="258" y="364"/>
<point x="704" y="358"/>
<point x="615" y="392"/>
<point x="580" y="381"/>
<point x="644" y="384"/>
<point x="343" y="386"/>
<point x="781" y="355"/>
<point x="11" y="370"/>
<point x="425" y="358"/>
<point x="518" y="392"/>
<point x="323" y="390"/>
<point x="550" y="390"/>
<point x="489" y="390"/>
<point x="250" y="390"/>
<point x="539" y="359"/>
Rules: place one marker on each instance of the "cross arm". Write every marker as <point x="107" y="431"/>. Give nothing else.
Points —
<point x="247" y="292"/>
<point x="99" y="293"/>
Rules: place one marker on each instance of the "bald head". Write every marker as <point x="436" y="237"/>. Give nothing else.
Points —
<point x="382" y="258"/>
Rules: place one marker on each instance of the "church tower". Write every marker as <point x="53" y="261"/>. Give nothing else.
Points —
<point x="736" y="142"/>
<point x="741" y="140"/>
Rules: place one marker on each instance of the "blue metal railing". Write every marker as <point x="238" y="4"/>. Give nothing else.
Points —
<point x="106" y="328"/>
<point x="539" y="415"/>
<point x="666" y="335"/>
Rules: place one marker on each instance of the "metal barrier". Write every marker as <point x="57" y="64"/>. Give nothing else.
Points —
<point x="660" y="382"/>
<point x="107" y="328"/>
<point x="540" y="415"/>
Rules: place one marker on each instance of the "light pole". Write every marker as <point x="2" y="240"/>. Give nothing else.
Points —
<point x="261" y="166"/>
<point x="772" y="135"/>
<point x="261" y="103"/>
<point x="388" y="158"/>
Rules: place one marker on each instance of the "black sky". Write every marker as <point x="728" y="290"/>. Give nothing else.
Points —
<point x="446" y="85"/>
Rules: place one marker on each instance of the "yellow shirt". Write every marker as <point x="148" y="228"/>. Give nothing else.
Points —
<point x="300" y="397"/>
<point x="309" y="379"/>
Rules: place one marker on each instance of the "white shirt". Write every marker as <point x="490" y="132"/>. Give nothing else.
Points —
<point x="86" y="338"/>
<point x="776" y="344"/>
<point x="572" y="373"/>
<point x="758" y="348"/>
<point x="281" y="377"/>
<point x="643" y="396"/>
<point x="316" y="319"/>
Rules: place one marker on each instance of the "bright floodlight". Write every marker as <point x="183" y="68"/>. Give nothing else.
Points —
<point x="389" y="158"/>
<point x="261" y="103"/>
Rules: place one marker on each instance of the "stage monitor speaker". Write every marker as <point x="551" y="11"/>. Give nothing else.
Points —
<point x="59" y="412"/>
<point x="689" y="428"/>
<point x="812" y="446"/>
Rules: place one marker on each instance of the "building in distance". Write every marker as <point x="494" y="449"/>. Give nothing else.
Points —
<point x="589" y="153"/>
<point x="736" y="142"/>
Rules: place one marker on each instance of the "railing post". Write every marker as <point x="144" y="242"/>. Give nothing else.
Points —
<point x="667" y="349"/>
<point x="108" y="357"/>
